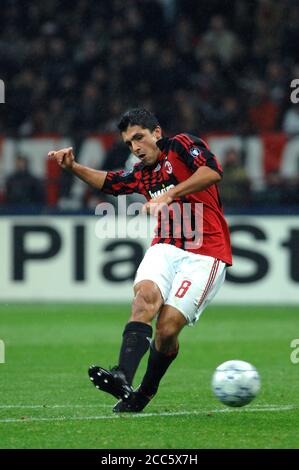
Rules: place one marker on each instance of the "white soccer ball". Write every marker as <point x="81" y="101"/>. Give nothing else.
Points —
<point x="236" y="383"/>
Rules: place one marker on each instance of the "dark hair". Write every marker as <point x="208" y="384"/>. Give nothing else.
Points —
<point x="138" y="117"/>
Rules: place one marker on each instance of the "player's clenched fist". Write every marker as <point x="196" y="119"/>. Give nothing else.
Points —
<point x="64" y="157"/>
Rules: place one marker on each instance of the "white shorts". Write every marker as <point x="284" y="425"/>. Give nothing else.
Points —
<point x="187" y="281"/>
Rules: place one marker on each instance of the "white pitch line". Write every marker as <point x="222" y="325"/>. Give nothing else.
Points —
<point x="53" y="406"/>
<point x="156" y="405"/>
<point x="149" y="415"/>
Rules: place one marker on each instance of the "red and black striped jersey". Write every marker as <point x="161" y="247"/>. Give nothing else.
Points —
<point x="195" y="222"/>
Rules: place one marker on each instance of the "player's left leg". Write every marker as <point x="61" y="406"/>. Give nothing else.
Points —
<point x="164" y="349"/>
<point x="197" y="281"/>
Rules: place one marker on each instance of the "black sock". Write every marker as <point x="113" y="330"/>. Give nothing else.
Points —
<point x="157" y="365"/>
<point x="136" y="341"/>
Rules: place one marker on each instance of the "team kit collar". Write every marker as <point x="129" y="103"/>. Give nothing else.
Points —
<point x="163" y="144"/>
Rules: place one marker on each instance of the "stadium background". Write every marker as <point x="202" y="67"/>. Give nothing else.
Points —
<point x="218" y="69"/>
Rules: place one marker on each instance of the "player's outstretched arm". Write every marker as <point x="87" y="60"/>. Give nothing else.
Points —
<point x="66" y="159"/>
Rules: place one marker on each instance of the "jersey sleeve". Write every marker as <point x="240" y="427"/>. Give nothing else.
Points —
<point x="195" y="153"/>
<point x="121" y="182"/>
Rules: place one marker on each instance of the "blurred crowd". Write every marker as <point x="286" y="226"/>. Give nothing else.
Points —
<point x="73" y="67"/>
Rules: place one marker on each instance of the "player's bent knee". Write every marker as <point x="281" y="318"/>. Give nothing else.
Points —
<point x="166" y="339"/>
<point x="170" y="323"/>
<point x="166" y="332"/>
<point x="168" y="328"/>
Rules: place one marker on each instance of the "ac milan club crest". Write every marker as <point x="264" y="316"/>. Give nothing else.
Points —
<point x="168" y="167"/>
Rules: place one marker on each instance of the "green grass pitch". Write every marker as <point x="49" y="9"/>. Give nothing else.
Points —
<point x="47" y="400"/>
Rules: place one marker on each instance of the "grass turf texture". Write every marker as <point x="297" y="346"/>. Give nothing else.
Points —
<point x="47" y="400"/>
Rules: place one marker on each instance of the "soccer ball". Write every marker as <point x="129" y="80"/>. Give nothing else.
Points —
<point x="236" y="383"/>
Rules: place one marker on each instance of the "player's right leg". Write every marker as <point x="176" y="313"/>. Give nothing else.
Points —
<point x="163" y="352"/>
<point x="135" y="343"/>
<point x="152" y="284"/>
<point x="138" y="331"/>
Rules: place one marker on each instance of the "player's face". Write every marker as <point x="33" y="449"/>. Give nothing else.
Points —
<point x="142" y="143"/>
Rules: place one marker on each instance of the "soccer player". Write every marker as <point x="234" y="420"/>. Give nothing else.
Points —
<point x="186" y="264"/>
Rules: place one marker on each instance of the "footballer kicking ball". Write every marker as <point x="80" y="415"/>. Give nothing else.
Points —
<point x="236" y="383"/>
